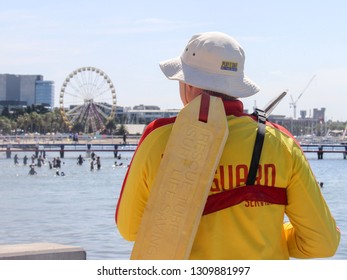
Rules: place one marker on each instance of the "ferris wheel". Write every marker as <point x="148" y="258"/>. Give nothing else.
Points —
<point x="87" y="99"/>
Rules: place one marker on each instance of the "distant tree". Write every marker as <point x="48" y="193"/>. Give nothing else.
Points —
<point x="111" y="126"/>
<point x="28" y="109"/>
<point x="6" y="112"/>
<point x="35" y="122"/>
<point x="24" y="122"/>
<point x="121" y="130"/>
<point x="5" y="125"/>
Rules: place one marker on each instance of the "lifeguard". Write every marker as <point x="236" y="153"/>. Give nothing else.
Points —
<point x="261" y="177"/>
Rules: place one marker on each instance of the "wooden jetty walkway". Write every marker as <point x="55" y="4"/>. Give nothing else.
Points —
<point x="321" y="149"/>
<point x="61" y="148"/>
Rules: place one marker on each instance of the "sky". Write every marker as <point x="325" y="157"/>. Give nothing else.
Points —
<point x="286" y="43"/>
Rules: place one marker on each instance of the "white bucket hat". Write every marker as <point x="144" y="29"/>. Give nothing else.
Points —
<point x="212" y="61"/>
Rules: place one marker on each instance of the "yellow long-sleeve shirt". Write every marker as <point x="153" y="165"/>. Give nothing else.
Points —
<point x="252" y="229"/>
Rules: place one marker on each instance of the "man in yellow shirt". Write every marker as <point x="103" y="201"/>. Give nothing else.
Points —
<point x="262" y="177"/>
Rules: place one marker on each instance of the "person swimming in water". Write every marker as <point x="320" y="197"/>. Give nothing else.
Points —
<point x="59" y="174"/>
<point x="25" y="160"/>
<point x="98" y="163"/>
<point x="80" y="160"/>
<point x="32" y="170"/>
<point x="16" y="159"/>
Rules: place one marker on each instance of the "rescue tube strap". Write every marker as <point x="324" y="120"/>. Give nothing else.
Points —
<point x="253" y="168"/>
<point x="250" y="192"/>
<point x="204" y="108"/>
<point x="226" y="199"/>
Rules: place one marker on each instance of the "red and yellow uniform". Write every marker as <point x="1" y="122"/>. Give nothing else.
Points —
<point x="253" y="228"/>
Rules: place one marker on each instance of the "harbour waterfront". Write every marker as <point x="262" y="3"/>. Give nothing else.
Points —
<point x="78" y="208"/>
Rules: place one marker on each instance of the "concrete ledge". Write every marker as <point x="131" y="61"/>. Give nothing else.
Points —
<point x="41" y="251"/>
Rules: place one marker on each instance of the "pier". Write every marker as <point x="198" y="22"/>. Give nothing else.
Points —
<point x="321" y="149"/>
<point x="63" y="148"/>
<point x="41" y="144"/>
<point x="111" y="147"/>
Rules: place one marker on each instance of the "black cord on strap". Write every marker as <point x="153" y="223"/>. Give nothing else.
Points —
<point x="253" y="168"/>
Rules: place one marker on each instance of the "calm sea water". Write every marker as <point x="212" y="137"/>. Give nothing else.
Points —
<point x="78" y="209"/>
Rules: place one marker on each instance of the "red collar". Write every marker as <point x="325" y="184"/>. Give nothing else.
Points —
<point x="233" y="107"/>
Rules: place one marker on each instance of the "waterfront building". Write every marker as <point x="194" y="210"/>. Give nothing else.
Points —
<point x="304" y="125"/>
<point x="44" y="94"/>
<point x="25" y="90"/>
<point x="143" y="114"/>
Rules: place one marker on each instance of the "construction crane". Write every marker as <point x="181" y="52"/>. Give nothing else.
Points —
<point x="293" y="103"/>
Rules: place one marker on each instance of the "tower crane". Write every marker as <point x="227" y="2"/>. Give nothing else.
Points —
<point x="293" y="103"/>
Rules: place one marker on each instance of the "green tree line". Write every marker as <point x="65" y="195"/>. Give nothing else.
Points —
<point x="39" y="119"/>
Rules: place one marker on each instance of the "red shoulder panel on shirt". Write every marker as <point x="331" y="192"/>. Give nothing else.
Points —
<point x="156" y="124"/>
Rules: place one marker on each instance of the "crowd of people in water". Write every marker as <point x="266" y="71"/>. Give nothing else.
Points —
<point x="39" y="160"/>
